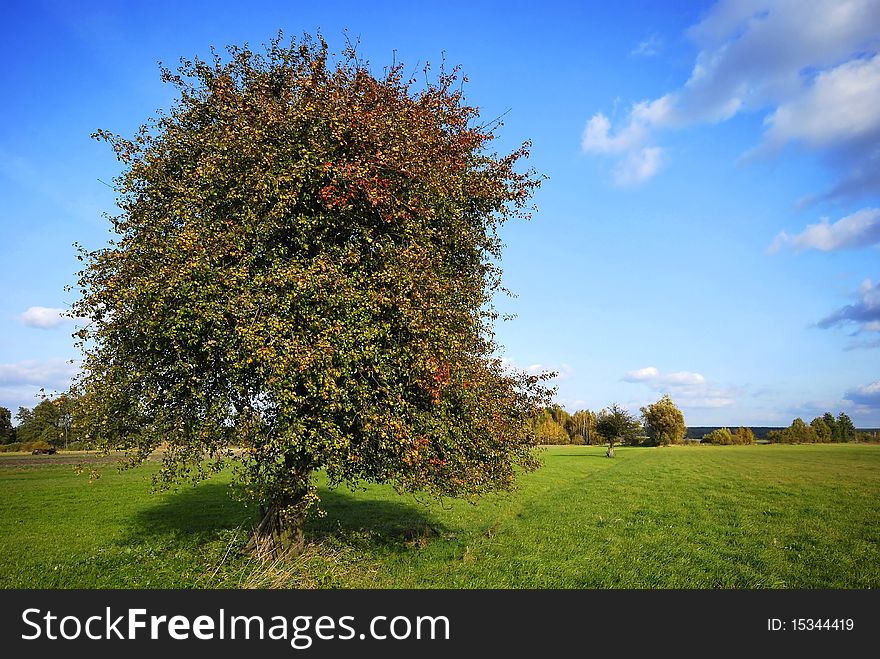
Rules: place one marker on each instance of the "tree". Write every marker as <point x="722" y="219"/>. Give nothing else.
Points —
<point x="776" y="436"/>
<point x="7" y="432"/>
<point x="831" y="422"/>
<point x="304" y="266"/>
<point x="615" y="424"/>
<point x="40" y="424"/>
<point x="719" y="436"/>
<point x="744" y="436"/>
<point x="800" y="433"/>
<point x="559" y="414"/>
<point x="63" y="417"/>
<point x="846" y="431"/>
<point x="820" y="427"/>
<point x="549" y="431"/>
<point x="664" y="422"/>
<point x="582" y="424"/>
<point x="24" y="415"/>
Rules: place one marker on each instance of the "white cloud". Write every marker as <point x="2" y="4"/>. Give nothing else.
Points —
<point x="50" y="373"/>
<point x="865" y="312"/>
<point x="646" y="374"/>
<point x="638" y="162"/>
<point x="563" y="371"/>
<point x="648" y="47"/>
<point x="840" y="105"/>
<point x="45" y="317"/>
<point x="639" y="166"/>
<point x="688" y="388"/>
<point x="596" y="137"/>
<point x="652" y="376"/>
<point x="812" y="66"/>
<point x="21" y="382"/>
<point x="860" y="229"/>
<point x="866" y="395"/>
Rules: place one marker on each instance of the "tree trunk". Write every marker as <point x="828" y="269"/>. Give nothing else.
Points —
<point x="280" y="533"/>
<point x="610" y="453"/>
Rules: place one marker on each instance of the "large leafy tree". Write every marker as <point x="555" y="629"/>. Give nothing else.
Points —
<point x="664" y="422"/>
<point x="303" y="267"/>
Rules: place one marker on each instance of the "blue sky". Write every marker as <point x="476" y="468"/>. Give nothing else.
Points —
<point x="710" y="223"/>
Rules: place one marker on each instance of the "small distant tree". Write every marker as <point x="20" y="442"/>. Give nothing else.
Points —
<point x="820" y="427"/>
<point x="664" y="422"/>
<point x="7" y="432"/>
<point x="24" y="415"/>
<point x="800" y="433"/>
<point x="549" y="431"/>
<point x="744" y="436"/>
<point x="831" y="422"/>
<point x="776" y="436"/>
<point x="49" y="421"/>
<point x="33" y="424"/>
<point x="559" y="414"/>
<point x="615" y="424"/>
<point x="582" y="424"/>
<point x="846" y="431"/>
<point x="720" y="436"/>
<point x="63" y="417"/>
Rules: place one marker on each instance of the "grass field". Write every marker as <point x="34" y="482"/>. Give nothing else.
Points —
<point x="691" y="517"/>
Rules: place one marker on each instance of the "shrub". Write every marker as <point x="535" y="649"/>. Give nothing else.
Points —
<point x="744" y="436"/>
<point x="719" y="436"/>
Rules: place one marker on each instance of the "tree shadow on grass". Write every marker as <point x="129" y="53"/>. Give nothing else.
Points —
<point x="194" y="516"/>
<point x="191" y="515"/>
<point x="392" y="524"/>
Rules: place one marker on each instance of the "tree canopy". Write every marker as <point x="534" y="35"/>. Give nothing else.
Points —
<point x="48" y="421"/>
<point x="615" y="424"/>
<point x="744" y="435"/>
<point x="719" y="436"/>
<point x="664" y="422"/>
<point x="304" y="266"/>
<point x="7" y="432"/>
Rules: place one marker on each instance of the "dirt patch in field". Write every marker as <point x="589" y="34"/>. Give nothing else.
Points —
<point x="72" y="458"/>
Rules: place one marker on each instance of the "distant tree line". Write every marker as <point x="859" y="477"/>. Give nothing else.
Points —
<point x="823" y="429"/>
<point x="697" y="433"/>
<point x="661" y="423"/>
<point x="48" y="424"/>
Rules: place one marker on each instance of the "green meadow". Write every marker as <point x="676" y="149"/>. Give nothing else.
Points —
<point x="683" y="517"/>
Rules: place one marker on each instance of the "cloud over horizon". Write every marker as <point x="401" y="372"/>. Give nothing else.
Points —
<point x="21" y="382"/>
<point x="866" y="395"/>
<point x="689" y="389"/>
